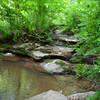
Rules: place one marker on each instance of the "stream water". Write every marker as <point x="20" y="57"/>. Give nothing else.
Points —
<point x="19" y="81"/>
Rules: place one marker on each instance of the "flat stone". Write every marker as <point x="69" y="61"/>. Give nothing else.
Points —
<point x="26" y="46"/>
<point x="37" y="54"/>
<point x="66" y="38"/>
<point x="49" y="95"/>
<point x="49" y="51"/>
<point x="80" y="96"/>
<point x="37" y="51"/>
<point x="54" y="95"/>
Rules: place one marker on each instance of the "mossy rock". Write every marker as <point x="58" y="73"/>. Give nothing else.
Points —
<point x="61" y="63"/>
<point x="57" y="66"/>
<point x="49" y="60"/>
<point x="5" y="47"/>
<point x="21" y="51"/>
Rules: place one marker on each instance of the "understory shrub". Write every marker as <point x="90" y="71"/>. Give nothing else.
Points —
<point x="89" y="71"/>
<point x="89" y="28"/>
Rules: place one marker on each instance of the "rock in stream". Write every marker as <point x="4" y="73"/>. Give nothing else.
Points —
<point x="56" y="66"/>
<point x="54" y="95"/>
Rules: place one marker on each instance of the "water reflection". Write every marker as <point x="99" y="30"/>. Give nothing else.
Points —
<point x="17" y="82"/>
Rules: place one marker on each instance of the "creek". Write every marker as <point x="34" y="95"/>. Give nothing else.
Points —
<point x="19" y="80"/>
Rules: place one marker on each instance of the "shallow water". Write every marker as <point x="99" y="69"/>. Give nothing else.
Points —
<point x="18" y="82"/>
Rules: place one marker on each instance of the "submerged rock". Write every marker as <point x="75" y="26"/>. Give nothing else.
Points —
<point x="69" y="85"/>
<point x="50" y="51"/>
<point x="56" y="66"/>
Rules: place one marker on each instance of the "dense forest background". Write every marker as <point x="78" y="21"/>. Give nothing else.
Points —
<point x="36" y="19"/>
<point x="29" y="20"/>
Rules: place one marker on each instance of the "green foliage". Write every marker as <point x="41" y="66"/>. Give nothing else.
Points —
<point x="89" y="27"/>
<point x="61" y="63"/>
<point x="82" y="70"/>
<point x="94" y="72"/>
<point x="31" y="16"/>
<point x="36" y="16"/>
<point x="4" y="27"/>
<point x="89" y="71"/>
<point x="49" y="60"/>
<point x="96" y="96"/>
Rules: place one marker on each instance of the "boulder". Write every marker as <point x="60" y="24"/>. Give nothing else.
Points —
<point x="56" y="66"/>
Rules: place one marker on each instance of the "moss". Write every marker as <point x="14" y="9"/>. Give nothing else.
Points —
<point x="49" y="60"/>
<point x="61" y="63"/>
<point x="21" y="51"/>
<point x="5" y="47"/>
